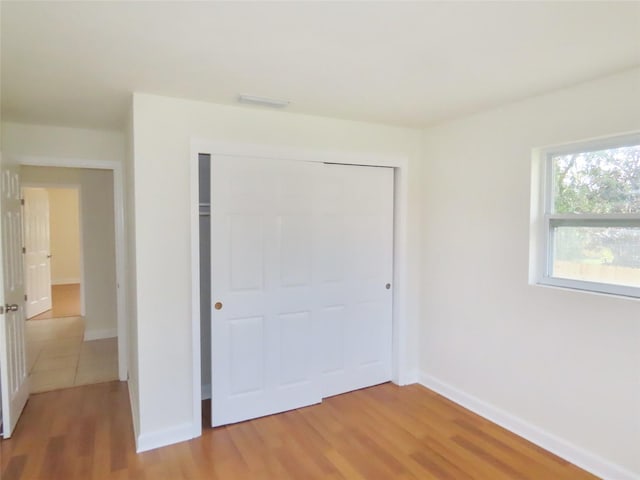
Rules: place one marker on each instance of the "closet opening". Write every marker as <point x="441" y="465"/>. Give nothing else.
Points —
<point x="304" y="280"/>
<point x="204" y="213"/>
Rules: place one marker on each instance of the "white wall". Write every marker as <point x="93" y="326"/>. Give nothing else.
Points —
<point x="64" y="221"/>
<point x="162" y="131"/>
<point x="98" y="225"/>
<point x="98" y="240"/>
<point x="62" y="142"/>
<point x="564" y="361"/>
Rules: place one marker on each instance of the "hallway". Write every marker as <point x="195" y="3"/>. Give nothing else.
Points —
<point x="57" y="356"/>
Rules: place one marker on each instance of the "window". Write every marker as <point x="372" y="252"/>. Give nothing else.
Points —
<point x="589" y="231"/>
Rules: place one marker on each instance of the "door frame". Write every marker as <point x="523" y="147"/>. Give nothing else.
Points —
<point x="118" y="210"/>
<point x="401" y="374"/>
<point x="78" y="188"/>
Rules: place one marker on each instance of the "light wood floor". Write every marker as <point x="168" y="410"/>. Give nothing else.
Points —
<point x="65" y="302"/>
<point x="383" y="432"/>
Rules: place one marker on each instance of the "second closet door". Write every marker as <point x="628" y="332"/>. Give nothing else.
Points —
<point x="354" y="258"/>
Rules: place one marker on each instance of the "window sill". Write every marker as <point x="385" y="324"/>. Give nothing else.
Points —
<point x="593" y="288"/>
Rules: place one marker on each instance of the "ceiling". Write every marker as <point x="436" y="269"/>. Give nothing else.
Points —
<point x="404" y="63"/>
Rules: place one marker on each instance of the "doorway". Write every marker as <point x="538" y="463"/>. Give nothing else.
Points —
<point x="394" y="332"/>
<point x="53" y="252"/>
<point x="69" y="253"/>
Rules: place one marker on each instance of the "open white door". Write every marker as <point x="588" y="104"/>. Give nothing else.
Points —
<point x="37" y="259"/>
<point x="263" y="321"/>
<point x="13" y="372"/>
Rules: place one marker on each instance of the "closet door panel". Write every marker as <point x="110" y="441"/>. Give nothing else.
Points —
<point x="263" y="353"/>
<point x="355" y="258"/>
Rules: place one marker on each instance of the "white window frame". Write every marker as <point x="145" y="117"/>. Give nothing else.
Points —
<point x="544" y="220"/>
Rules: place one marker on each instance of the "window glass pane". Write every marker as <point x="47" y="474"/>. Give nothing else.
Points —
<point x="603" y="181"/>
<point x="597" y="254"/>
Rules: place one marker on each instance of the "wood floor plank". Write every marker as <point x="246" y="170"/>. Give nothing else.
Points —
<point x="14" y="468"/>
<point x="383" y="432"/>
<point x="434" y="464"/>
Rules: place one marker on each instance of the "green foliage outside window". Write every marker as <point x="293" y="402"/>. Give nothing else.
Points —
<point x="599" y="182"/>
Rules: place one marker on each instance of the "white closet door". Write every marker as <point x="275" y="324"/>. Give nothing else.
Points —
<point x="354" y="259"/>
<point x="264" y="337"/>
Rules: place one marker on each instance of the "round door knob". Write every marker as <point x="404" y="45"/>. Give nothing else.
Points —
<point x="387" y="286"/>
<point x="218" y="306"/>
<point x="11" y="308"/>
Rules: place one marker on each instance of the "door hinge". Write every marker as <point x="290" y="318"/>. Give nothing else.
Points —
<point x="24" y="249"/>
<point x="22" y="201"/>
<point x="25" y="297"/>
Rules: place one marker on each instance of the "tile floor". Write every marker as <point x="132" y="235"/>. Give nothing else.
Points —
<point x="57" y="356"/>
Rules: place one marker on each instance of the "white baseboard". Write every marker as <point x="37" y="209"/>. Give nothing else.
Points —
<point x="206" y="391"/>
<point x="64" y="281"/>
<point x="572" y="453"/>
<point x="100" y="334"/>
<point x="162" y="438"/>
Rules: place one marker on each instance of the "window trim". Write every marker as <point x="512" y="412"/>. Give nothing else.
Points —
<point x="544" y="221"/>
